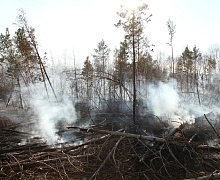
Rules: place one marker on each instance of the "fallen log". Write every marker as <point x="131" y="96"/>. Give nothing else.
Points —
<point x="138" y="136"/>
<point x="156" y="139"/>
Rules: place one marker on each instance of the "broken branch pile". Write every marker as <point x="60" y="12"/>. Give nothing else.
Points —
<point x="118" y="154"/>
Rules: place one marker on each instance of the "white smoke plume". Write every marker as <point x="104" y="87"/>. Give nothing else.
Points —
<point x="50" y="113"/>
<point x="163" y="99"/>
<point x="166" y="102"/>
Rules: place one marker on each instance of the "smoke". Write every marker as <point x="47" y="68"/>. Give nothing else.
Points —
<point x="51" y="114"/>
<point x="163" y="99"/>
<point x="166" y="102"/>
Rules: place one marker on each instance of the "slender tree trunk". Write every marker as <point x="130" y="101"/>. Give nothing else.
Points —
<point x="134" y="79"/>
<point x="44" y="70"/>
<point x="172" y="60"/>
<point x="87" y="87"/>
<point x="76" y="85"/>
<point x="45" y="85"/>
<point x="197" y="88"/>
<point x="187" y="81"/>
<point x="20" y="97"/>
<point x="103" y="74"/>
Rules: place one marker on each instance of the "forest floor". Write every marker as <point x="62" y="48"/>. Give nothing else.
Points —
<point x="190" y="151"/>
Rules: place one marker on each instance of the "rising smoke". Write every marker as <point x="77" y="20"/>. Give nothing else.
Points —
<point x="50" y="113"/>
<point x="163" y="99"/>
<point x="166" y="102"/>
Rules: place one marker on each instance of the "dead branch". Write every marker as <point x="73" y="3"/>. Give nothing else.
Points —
<point x="207" y="147"/>
<point x="129" y="135"/>
<point x="212" y="127"/>
<point x="107" y="157"/>
<point x="93" y="140"/>
<point x="172" y="132"/>
<point x="214" y="175"/>
<point x="108" y="154"/>
<point x="86" y="143"/>
<point x="33" y="161"/>
<point x="25" y="148"/>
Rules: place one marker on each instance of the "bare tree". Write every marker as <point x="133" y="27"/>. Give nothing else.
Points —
<point x="172" y="30"/>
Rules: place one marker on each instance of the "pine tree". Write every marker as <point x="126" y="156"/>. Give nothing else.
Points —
<point x="132" y="21"/>
<point x="100" y="58"/>
<point x="121" y="66"/>
<point x="187" y="65"/>
<point x="28" y="32"/>
<point x="87" y="72"/>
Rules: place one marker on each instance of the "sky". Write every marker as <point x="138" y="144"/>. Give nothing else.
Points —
<point x="74" y="27"/>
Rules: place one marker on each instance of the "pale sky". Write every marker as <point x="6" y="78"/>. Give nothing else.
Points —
<point x="64" y="26"/>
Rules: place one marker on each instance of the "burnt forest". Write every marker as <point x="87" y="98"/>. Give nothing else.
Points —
<point x="121" y="114"/>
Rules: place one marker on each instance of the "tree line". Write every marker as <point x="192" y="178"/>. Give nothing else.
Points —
<point x="98" y="83"/>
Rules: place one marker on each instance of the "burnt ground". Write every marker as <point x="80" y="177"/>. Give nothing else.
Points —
<point x="107" y="149"/>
